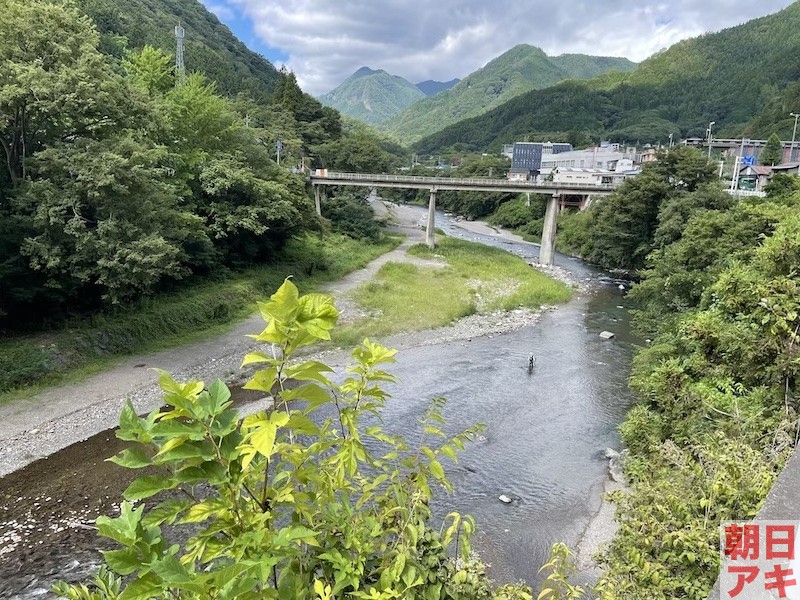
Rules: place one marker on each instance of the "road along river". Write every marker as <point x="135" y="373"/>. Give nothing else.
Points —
<point x="543" y="444"/>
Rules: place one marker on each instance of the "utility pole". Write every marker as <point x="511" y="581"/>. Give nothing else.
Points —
<point x="794" y="133"/>
<point x="709" y="138"/>
<point x="278" y="148"/>
<point x="180" y="68"/>
<point x="670" y="140"/>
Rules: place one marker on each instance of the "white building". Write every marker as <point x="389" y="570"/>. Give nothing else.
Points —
<point x="590" y="158"/>
<point x="585" y="176"/>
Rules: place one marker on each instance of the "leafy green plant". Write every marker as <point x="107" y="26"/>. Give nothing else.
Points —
<point x="307" y="500"/>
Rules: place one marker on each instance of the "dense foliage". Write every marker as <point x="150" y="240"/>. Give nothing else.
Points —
<point x="122" y="178"/>
<point x="349" y="212"/>
<point x="743" y="78"/>
<point x="519" y="70"/>
<point x="718" y="412"/>
<point x="372" y="96"/>
<point x="309" y="500"/>
<point x="645" y="212"/>
<point x="523" y="214"/>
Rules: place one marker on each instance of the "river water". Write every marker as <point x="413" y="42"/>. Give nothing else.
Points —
<point x="543" y="444"/>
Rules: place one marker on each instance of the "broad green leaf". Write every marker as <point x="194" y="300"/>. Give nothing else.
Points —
<point x="219" y="393"/>
<point x="263" y="439"/>
<point x="309" y="392"/>
<point x="131" y="458"/>
<point x="165" y="512"/>
<point x="143" y="588"/>
<point x="147" y="486"/>
<point x="171" y="571"/>
<point x="263" y="380"/>
<point x="255" y="357"/>
<point x="309" y="371"/>
<point x="282" y="304"/>
<point x="436" y="469"/>
<point x="205" y="510"/>
<point x="123" y="562"/>
<point x="122" y="528"/>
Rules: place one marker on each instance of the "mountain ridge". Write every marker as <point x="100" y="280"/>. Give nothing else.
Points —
<point x="516" y="71"/>
<point x="430" y="87"/>
<point x="744" y="78"/>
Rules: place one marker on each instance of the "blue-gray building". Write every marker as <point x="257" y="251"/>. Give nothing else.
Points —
<point x="526" y="158"/>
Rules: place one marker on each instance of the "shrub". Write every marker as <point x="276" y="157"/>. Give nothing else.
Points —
<point x="302" y="501"/>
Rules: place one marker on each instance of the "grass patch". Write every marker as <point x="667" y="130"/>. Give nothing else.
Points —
<point x="478" y="279"/>
<point x="80" y="348"/>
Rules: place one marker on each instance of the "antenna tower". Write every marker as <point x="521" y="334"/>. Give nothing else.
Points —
<point x="180" y="69"/>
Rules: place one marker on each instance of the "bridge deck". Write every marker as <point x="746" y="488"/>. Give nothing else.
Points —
<point x="479" y="184"/>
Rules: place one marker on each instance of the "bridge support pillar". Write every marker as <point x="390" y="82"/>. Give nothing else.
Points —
<point x="317" y="203"/>
<point x="548" y="246"/>
<point x="430" y="231"/>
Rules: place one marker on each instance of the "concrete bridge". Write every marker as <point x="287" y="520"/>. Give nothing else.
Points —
<point x="561" y="195"/>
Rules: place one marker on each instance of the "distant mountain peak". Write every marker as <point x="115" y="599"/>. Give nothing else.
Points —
<point x="429" y="87"/>
<point x="372" y="95"/>
<point x="362" y="72"/>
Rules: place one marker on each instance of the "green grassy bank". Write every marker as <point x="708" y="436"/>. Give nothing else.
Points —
<point x="473" y="279"/>
<point x="83" y="347"/>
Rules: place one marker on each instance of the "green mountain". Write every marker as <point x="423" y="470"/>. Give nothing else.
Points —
<point x="521" y="69"/>
<point x="429" y="87"/>
<point x="210" y="47"/>
<point x="372" y="96"/>
<point x="743" y="78"/>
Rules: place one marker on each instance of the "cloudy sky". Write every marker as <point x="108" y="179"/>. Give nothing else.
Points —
<point x="324" y="42"/>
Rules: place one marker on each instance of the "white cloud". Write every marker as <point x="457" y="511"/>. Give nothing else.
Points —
<point x="327" y="41"/>
<point x="222" y="11"/>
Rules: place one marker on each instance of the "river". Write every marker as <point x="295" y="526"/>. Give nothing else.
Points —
<point x="543" y="447"/>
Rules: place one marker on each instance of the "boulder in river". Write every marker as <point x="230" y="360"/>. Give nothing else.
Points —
<point x="606" y="335"/>
<point x="505" y="499"/>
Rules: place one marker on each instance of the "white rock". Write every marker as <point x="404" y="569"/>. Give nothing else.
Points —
<point x="606" y="335"/>
<point x="34" y="431"/>
<point x="505" y="499"/>
<point x="620" y="286"/>
<point x="611" y="453"/>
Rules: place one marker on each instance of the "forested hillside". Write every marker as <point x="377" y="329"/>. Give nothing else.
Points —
<point x="372" y="96"/>
<point x="514" y="72"/>
<point x="210" y="47"/>
<point x="742" y="78"/>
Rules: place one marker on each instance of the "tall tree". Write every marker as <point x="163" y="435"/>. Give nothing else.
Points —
<point x="106" y="218"/>
<point x="772" y="154"/>
<point x="54" y="83"/>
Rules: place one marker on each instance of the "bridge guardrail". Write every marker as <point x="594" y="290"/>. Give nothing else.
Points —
<point x="483" y="181"/>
